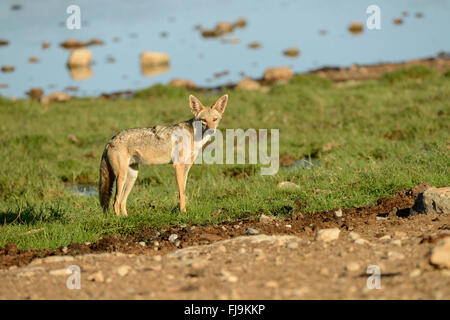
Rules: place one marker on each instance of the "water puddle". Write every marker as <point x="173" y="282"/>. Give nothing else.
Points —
<point x="83" y="189"/>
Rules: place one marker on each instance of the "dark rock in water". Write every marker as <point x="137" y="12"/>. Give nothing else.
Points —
<point x="291" y="52"/>
<point x="45" y="45"/>
<point x="16" y="7"/>
<point x="3" y="42"/>
<point x="35" y="93"/>
<point x="356" y="27"/>
<point x="74" y="43"/>
<point x="254" y="45"/>
<point x="8" y="68"/>
<point x="33" y="60"/>
<point x="398" y="21"/>
<point x="419" y="15"/>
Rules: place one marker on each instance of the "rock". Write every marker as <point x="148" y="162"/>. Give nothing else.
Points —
<point x="11" y="249"/>
<point x="271" y="284"/>
<point x="45" y="45"/>
<point x="123" y="270"/>
<point x="278" y="74"/>
<point x="182" y="83"/>
<point x="153" y="63"/>
<point x="254" y="45"/>
<point x="4" y="85"/>
<point x="60" y="272"/>
<point x="55" y="97"/>
<point x="361" y="241"/>
<point x="142" y="243"/>
<point x="328" y="234"/>
<point x="58" y="259"/>
<point x="354" y="236"/>
<point x="241" y="23"/>
<point x="173" y="237"/>
<point x="394" y="255"/>
<point x="338" y="213"/>
<point x="398" y="21"/>
<point x="291" y="52"/>
<point x="384" y="238"/>
<point x="432" y="200"/>
<point x="35" y="93"/>
<point x="397" y="242"/>
<point x="80" y="73"/>
<point x="79" y="58"/>
<point x="287" y="185"/>
<point x="33" y="60"/>
<point x="415" y="273"/>
<point x="440" y="255"/>
<point x="381" y="218"/>
<point x="8" y="68"/>
<point x="157" y="258"/>
<point x="400" y="234"/>
<point x="248" y="84"/>
<point x="3" y="42"/>
<point x="251" y="232"/>
<point x="352" y="266"/>
<point x="292" y="245"/>
<point x="266" y="219"/>
<point x="75" y="44"/>
<point x="356" y="27"/>
<point x="97" y="277"/>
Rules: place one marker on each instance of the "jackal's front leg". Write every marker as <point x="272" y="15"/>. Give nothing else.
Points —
<point x="179" y="174"/>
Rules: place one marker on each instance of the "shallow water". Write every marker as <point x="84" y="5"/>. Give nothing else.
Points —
<point x="277" y="24"/>
<point x="86" y="190"/>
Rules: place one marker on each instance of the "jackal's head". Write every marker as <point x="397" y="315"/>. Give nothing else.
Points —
<point x="209" y="116"/>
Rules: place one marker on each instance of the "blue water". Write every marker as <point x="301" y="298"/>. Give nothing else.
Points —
<point x="278" y="25"/>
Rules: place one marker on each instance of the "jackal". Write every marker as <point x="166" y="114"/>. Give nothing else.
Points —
<point x="155" y="145"/>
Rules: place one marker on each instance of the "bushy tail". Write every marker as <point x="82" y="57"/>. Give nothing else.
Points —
<point x="106" y="181"/>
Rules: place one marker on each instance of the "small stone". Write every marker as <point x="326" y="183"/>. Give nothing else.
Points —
<point x="266" y="219"/>
<point x="60" y="272"/>
<point x="440" y="255"/>
<point x="354" y="236"/>
<point x="338" y="213"/>
<point x="173" y="237"/>
<point x="288" y="226"/>
<point x="242" y="251"/>
<point x="65" y="249"/>
<point x="394" y="255"/>
<point x="361" y="241"/>
<point x="142" y="243"/>
<point x="386" y="237"/>
<point x="400" y="234"/>
<point x="397" y="242"/>
<point x="292" y="245"/>
<point x="251" y="232"/>
<point x="271" y="284"/>
<point x="352" y="266"/>
<point x="415" y="273"/>
<point x="97" y="277"/>
<point x="381" y="218"/>
<point x="56" y="259"/>
<point x="291" y="52"/>
<point x="177" y="243"/>
<point x="356" y="27"/>
<point x="157" y="258"/>
<point x="123" y="270"/>
<point x="327" y="234"/>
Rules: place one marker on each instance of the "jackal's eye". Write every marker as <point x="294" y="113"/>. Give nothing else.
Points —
<point x="215" y="119"/>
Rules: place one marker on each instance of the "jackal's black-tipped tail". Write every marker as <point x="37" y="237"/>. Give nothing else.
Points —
<point x="106" y="181"/>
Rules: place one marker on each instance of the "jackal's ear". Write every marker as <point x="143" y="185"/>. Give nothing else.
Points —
<point x="221" y="104"/>
<point x="196" y="105"/>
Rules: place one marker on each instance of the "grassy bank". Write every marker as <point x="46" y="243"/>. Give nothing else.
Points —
<point x="370" y="139"/>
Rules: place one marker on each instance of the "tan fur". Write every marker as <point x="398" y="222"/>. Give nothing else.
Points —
<point x="150" y="146"/>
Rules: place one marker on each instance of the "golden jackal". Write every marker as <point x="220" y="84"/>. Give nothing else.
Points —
<point x="155" y="145"/>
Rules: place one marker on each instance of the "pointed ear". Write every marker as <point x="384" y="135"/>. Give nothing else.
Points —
<point x="221" y="104"/>
<point x="196" y="105"/>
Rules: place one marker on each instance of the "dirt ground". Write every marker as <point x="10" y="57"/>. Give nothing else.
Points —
<point x="282" y="261"/>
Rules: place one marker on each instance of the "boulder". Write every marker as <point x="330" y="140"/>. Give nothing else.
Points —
<point x="440" y="255"/>
<point x="248" y="84"/>
<point x="328" y="234"/>
<point x="150" y="58"/>
<point x="79" y="58"/>
<point x="8" y="68"/>
<point x="45" y="45"/>
<point x="278" y="74"/>
<point x="55" y="97"/>
<point x="254" y="45"/>
<point x="182" y="83"/>
<point x="432" y="200"/>
<point x="35" y="93"/>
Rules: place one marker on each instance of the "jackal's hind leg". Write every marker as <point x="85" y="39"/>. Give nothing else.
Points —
<point x="120" y="183"/>
<point x="129" y="183"/>
<point x="179" y="175"/>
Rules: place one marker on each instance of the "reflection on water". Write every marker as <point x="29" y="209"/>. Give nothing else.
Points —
<point x="83" y="189"/>
<point x="123" y="30"/>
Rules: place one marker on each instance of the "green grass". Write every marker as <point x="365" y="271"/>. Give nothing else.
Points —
<point x="387" y="134"/>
